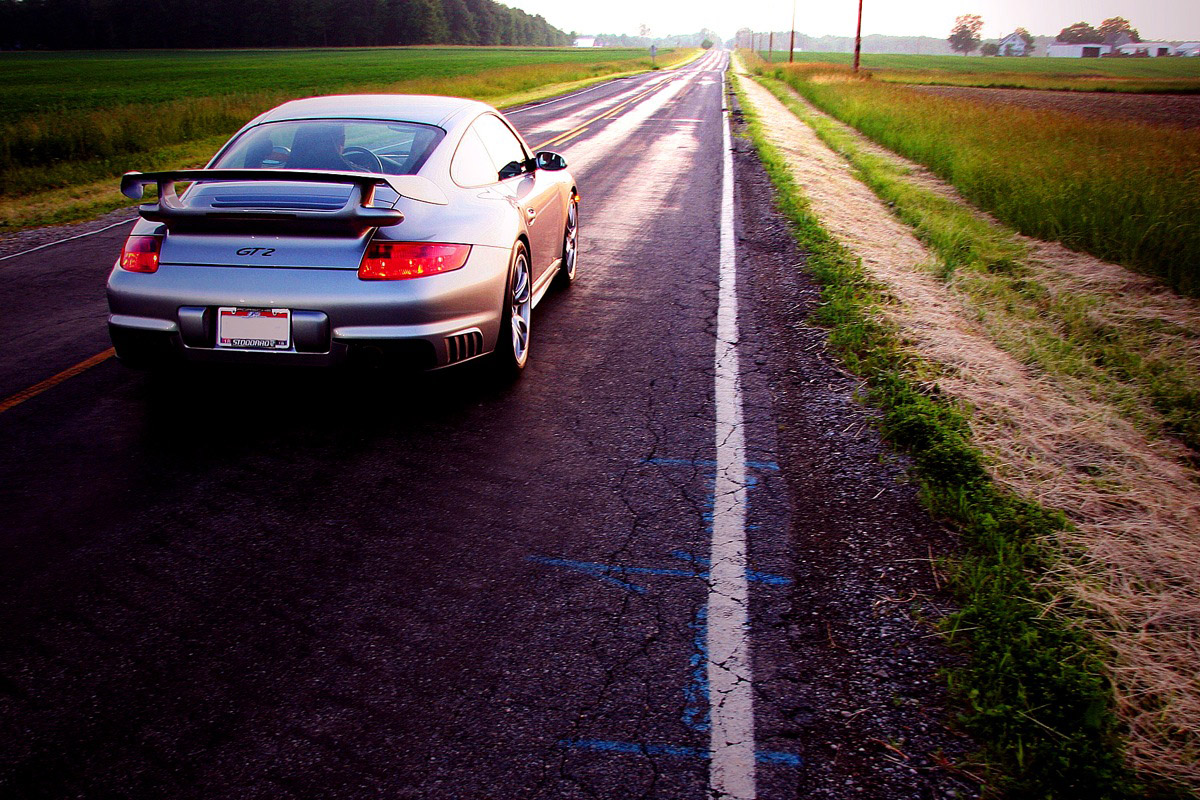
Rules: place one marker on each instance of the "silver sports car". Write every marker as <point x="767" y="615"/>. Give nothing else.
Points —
<point x="420" y="230"/>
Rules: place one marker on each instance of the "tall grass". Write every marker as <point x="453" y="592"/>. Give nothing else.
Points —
<point x="1125" y="353"/>
<point x="1125" y="192"/>
<point x="66" y="147"/>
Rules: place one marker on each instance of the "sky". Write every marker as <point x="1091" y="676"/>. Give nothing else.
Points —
<point x="1154" y="19"/>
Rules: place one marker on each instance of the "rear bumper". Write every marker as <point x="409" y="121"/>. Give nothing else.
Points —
<point x="427" y="322"/>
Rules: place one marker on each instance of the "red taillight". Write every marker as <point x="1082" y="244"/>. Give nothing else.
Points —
<point x="141" y="253"/>
<point x="398" y="261"/>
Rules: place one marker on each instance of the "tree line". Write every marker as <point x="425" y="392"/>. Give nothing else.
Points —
<point x="675" y="40"/>
<point x="964" y="36"/>
<point x="103" y="24"/>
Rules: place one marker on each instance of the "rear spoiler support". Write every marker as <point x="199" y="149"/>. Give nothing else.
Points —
<point x="357" y="214"/>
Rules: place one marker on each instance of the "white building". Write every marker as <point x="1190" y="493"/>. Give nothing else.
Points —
<point x="585" y="41"/>
<point x="1061" y="50"/>
<point x="1152" y="49"/>
<point x="1188" y="49"/>
<point x="1012" y="45"/>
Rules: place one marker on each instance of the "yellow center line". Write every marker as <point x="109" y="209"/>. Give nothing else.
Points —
<point x="578" y="129"/>
<point x="50" y="383"/>
<point x="566" y="138"/>
<point x="82" y="366"/>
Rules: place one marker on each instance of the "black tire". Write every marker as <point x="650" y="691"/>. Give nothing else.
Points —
<point x="570" y="252"/>
<point x="512" y="346"/>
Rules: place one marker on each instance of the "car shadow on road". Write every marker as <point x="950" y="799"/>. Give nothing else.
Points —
<point x="199" y="408"/>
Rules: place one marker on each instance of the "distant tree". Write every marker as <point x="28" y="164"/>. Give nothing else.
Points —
<point x="964" y="36"/>
<point x="1080" y="33"/>
<point x="1030" y="45"/>
<point x="1113" y="27"/>
<point x="707" y="44"/>
<point x="423" y="22"/>
<point x="989" y="49"/>
<point x="81" y="24"/>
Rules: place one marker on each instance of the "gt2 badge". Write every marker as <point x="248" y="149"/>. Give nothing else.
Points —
<point x="251" y="251"/>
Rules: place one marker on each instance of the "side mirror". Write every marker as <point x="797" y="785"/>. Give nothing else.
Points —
<point x="550" y="161"/>
<point x="512" y="169"/>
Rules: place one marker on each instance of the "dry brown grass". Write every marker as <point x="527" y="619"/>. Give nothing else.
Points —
<point x="1055" y="437"/>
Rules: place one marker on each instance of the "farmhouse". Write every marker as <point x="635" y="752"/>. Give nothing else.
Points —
<point x="1188" y="49"/>
<point x="1152" y="49"/>
<point x="585" y="41"/>
<point x="1061" y="50"/>
<point x="1013" y="45"/>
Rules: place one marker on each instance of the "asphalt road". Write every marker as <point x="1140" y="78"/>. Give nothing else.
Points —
<point x="244" y="584"/>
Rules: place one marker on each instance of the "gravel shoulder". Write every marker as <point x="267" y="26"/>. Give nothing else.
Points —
<point x="868" y="706"/>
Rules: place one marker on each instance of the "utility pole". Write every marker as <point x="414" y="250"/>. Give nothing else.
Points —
<point x="771" y="47"/>
<point x="792" y="46"/>
<point x="858" y="37"/>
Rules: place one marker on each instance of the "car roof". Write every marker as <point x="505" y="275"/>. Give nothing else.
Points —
<point x="426" y="109"/>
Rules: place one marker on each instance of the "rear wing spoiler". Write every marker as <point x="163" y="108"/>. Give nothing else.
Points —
<point x="358" y="213"/>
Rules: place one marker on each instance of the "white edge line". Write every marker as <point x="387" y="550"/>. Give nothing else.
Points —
<point x="731" y="699"/>
<point x="68" y="239"/>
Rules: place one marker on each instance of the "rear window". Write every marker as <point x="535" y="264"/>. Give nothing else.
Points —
<point x="392" y="148"/>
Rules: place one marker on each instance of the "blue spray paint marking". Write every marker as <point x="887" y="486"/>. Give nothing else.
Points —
<point x="696" y="712"/>
<point x="606" y="572"/>
<point x="751" y="575"/>
<point x="637" y="748"/>
<point x="695" y="694"/>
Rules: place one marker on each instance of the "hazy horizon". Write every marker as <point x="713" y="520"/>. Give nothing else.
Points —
<point x="1154" y="19"/>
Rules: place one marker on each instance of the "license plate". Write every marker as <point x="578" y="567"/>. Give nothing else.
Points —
<point x="254" y="328"/>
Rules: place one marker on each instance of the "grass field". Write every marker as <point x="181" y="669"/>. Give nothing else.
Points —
<point x="69" y="121"/>
<point x="1170" y="75"/>
<point x="39" y="82"/>
<point x="1122" y="191"/>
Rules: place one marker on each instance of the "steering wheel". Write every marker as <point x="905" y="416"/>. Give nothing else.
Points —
<point x="357" y="155"/>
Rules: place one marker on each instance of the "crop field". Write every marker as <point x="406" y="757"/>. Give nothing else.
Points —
<point x="69" y="121"/>
<point x="1176" y="110"/>
<point x="1159" y="75"/>
<point x="1123" y="191"/>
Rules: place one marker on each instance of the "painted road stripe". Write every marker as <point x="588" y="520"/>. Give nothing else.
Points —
<point x="68" y="239"/>
<point x="637" y="748"/>
<point x="578" y="129"/>
<point x="50" y="383"/>
<point x="731" y="698"/>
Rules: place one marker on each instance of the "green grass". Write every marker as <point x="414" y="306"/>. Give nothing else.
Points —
<point x="70" y="120"/>
<point x="1122" y="191"/>
<point x="1034" y="690"/>
<point x="1132" y="362"/>
<point x="1179" y="75"/>
<point x="75" y="81"/>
